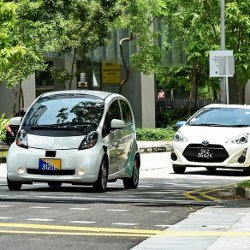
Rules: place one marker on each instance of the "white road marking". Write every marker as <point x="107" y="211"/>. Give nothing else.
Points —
<point x="39" y="219"/>
<point x="125" y="224"/>
<point x="117" y="210"/>
<point x="5" y="218"/>
<point x="37" y="207"/>
<point x="159" y="211"/>
<point x="82" y="222"/>
<point x="80" y="208"/>
<point x="5" y="206"/>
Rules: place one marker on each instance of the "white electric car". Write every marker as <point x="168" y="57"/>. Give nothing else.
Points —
<point x="77" y="137"/>
<point x="216" y="136"/>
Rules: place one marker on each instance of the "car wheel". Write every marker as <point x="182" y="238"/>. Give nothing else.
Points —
<point x="101" y="183"/>
<point x="54" y="184"/>
<point x="133" y="181"/>
<point x="14" y="185"/>
<point x="211" y="170"/>
<point x="179" y="169"/>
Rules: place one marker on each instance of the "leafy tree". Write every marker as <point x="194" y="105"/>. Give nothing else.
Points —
<point x="10" y="49"/>
<point x="238" y="39"/>
<point x="195" y="26"/>
<point x="137" y="17"/>
<point x="81" y="26"/>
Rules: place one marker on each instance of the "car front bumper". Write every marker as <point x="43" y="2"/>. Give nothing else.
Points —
<point x="234" y="156"/>
<point x="77" y="166"/>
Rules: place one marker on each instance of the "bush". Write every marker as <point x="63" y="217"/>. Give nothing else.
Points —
<point x="3" y="123"/>
<point x="155" y="134"/>
<point x="170" y="117"/>
<point x="244" y="184"/>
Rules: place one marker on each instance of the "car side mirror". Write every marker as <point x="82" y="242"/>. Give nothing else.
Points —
<point x="16" y="120"/>
<point x="116" y="124"/>
<point x="180" y="123"/>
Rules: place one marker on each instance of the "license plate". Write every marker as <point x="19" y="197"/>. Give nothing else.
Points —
<point x="49" y="164"/>
<point x="205" y="153"/>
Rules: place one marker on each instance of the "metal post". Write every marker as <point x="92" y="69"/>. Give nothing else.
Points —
<point x="223" y="47"/>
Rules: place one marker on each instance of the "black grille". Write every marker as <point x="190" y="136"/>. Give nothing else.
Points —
<point x="215" y="153"/>
<point x="50" y="172"/>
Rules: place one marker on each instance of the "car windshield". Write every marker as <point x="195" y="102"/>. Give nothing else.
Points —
<point x="76" y="113"/>
<point x="221" y="117"/>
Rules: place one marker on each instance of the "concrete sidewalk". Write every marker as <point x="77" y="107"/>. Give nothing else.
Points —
<point x="214" y="228"/>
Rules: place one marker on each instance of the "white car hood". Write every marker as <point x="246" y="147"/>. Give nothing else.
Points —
<point x="50" y="143"/>
<point x="214" y="135"/>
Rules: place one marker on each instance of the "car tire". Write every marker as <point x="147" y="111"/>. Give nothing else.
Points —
<point x="133" y="181"/>
<point x="101" y="184"/>
<point x="14" y="185"/>
<point x="179" y="169"/>
<point x="54" y="184"/>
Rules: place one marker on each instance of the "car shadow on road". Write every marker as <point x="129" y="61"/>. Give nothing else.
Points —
<point x="224" y="172"/>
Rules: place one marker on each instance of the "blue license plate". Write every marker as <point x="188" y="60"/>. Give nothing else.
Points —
<point x="49" y="164"/>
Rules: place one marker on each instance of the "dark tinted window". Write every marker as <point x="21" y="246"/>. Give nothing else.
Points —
<point x="126" y="112"/>
<point x="65" y="112"/>
<point x="221" y="117"/>
<point x="113" y="113"/>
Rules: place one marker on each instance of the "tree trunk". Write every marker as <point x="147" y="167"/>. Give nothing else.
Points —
<point x="126" y="66"/>
<point x="72" y="69"/>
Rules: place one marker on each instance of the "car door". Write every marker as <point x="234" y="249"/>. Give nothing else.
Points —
<point x="127" y="133"/>
<point x="112" y="137"/>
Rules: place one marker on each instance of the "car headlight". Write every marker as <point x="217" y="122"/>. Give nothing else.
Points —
<point x="179" y="137"/>
<point x="21" y="139"/>
<point x="89" y="141"/>
<point x="241" y="139"/>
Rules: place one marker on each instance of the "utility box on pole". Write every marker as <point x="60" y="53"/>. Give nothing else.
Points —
<point x="221" y="64"/>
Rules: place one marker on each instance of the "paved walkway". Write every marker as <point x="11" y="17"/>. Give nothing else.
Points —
<point x="212" y="228"/>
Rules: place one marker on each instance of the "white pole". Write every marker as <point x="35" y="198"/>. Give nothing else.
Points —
<point x="226" y="78"/>
<point x="223" y="47"/>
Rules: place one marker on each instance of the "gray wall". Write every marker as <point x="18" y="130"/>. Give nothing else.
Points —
<point x="6" y="100"/>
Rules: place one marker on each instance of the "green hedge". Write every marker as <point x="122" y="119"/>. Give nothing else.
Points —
<point x="3" y="123"/>
<point x="244" y="184"/>
<point x="155" y="134"/>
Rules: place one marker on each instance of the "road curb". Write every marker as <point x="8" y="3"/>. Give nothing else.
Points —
<point x="155" y="149"/>
<point x="243" y="192"/>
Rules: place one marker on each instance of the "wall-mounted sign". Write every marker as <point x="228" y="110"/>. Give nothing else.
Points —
<point x="111" y="73"/>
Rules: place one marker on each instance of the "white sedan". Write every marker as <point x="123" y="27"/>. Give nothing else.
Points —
<point x="216" y="136"/>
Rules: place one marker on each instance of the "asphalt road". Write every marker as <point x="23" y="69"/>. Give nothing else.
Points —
<point x="75" y="217"/>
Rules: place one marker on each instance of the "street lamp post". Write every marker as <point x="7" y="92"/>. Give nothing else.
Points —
<point x="224" y="88"/>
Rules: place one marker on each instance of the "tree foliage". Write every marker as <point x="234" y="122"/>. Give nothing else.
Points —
<point x="11" y="50"/>
<point x="138" y="18"/>
<point x="195" y="25"/>
<point x="58" y="26"/>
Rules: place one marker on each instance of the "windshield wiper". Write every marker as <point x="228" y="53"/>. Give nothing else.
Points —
<point x="66" y="125"/>
<point x="210" y="125"/>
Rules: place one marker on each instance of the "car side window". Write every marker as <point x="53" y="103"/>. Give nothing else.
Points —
<point x="113" y="113"/>
<point x="126" y="112"/>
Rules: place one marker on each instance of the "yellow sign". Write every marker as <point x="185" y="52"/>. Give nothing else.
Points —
<point x="111" y="73"/>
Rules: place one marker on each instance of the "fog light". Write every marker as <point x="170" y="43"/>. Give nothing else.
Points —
<point x="173" y="156"/>
<point x="242" y="158"/>
<point x="81" y="172"/>
<point x="21" y="170"/>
